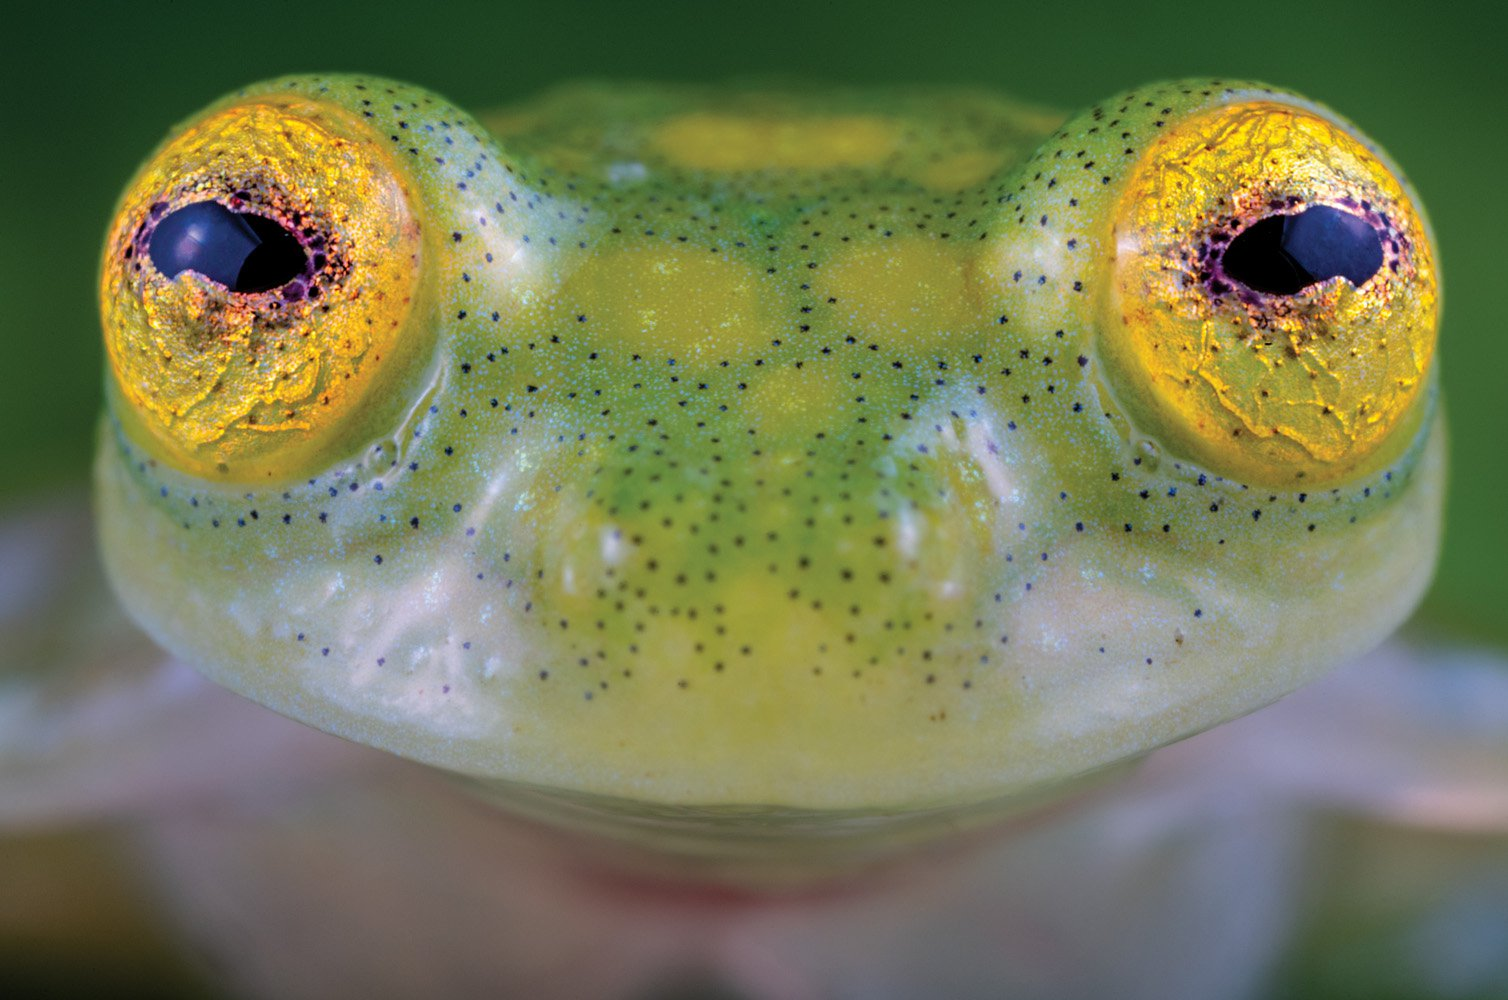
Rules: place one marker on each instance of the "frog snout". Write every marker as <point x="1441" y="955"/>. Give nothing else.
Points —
<point x="842" y="562"/>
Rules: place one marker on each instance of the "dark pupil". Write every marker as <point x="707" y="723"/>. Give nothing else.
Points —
<point x="243" y="252"/>
<point x="1284" y="254"/>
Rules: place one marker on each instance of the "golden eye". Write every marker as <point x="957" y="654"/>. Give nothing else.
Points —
<point x="255" y="289"/>
<point x="1274" y="302"/>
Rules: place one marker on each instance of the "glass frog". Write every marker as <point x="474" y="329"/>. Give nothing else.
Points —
<point x="790" y="460"/>
<point x="773" y="478"/>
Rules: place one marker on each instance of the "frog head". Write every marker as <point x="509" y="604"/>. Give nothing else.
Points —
<point x="752" y="460"/>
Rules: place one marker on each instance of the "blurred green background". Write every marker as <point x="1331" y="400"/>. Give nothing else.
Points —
<point x="88" y="89"/>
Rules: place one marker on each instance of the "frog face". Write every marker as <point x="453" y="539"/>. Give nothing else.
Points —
<point x="763" y="456"/>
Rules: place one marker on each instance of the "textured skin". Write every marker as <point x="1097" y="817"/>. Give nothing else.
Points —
<point x="764" y="470"/>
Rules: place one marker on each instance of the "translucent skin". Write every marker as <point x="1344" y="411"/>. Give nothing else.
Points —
<point x="764" y="473"/>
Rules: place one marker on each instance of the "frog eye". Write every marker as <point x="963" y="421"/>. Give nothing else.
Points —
<point x="256" y="291"/>
<point x="1274" y="303"/>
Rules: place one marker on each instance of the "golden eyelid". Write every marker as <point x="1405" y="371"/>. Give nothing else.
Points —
<point x="1306" y="388"/>
<point x="262" y="384"/>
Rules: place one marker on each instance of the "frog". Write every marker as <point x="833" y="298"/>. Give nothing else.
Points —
<point x="754" y="469"/>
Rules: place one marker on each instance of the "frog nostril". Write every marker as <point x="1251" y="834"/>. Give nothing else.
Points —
<point x="240" y="250"/>
<point x="1284" y="254"/>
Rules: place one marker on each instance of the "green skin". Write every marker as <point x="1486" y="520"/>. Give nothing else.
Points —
<point x="812" y="532"/>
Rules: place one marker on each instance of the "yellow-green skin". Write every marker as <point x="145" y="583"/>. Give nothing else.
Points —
<point x="765" y="495"/>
